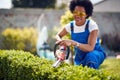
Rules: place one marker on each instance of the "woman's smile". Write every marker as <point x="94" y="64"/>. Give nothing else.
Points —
<point x="79" y="15"/>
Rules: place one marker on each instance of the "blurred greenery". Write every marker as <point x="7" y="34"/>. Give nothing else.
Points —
<point x="34" y="3"/>
<point x="19" y="39"/>
<point x="112" y="65"/>
<point x="66" y="18"/>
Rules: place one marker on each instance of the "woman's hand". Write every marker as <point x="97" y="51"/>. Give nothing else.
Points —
<point x="64" y="42"/>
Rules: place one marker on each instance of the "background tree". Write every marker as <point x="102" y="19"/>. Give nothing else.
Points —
<point x="34" y="3"/>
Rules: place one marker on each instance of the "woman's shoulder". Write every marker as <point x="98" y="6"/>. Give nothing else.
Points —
<point x="92" y="22"/>
<point x="93" y="25"/>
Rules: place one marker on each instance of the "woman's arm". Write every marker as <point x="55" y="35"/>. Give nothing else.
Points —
<point x="85" y="47"/>
<point x="61" y="34"/>
<point x="91" y="42"/>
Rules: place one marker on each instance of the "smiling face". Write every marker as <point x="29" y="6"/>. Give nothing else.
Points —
<point x="79" y="15"/>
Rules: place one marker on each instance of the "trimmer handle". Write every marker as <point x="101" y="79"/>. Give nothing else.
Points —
<point x="67" y="51"/>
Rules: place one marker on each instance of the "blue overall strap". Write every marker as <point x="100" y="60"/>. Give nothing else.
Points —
<point x="71" y="26"/>
<point x="87" y="25"/>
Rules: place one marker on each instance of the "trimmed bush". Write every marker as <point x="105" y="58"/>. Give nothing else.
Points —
<point x="19" y="39"/>
<point x="19" y="65"/>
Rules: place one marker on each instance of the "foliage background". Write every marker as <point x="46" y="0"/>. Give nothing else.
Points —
<point x="34" y="3"/>
<point x="19" y="39"/>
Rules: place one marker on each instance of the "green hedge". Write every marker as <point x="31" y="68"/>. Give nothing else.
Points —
<point x="19" y="65"/>
<point x="19" y="39"/>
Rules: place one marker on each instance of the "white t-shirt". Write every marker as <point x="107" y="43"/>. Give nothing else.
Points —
<point x="78" y="29"/>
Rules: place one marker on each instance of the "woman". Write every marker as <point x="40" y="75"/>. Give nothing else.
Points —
<point x="84" y="33"/>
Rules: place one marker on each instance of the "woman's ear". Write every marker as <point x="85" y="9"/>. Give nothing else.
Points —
<point x="86" y="16"/>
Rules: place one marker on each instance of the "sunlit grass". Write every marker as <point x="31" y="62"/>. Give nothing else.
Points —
<point x="112" y="65"/>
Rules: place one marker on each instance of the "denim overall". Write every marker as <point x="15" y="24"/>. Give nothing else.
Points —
<point x="91" y="59"/>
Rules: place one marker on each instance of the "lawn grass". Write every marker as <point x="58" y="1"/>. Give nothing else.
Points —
<point x="112" y="65"/>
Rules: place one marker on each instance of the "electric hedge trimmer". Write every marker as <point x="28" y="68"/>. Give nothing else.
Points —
<point x="61" y="53"/>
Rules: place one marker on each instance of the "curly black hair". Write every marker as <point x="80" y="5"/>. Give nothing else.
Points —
<point x="87" y="4"/>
